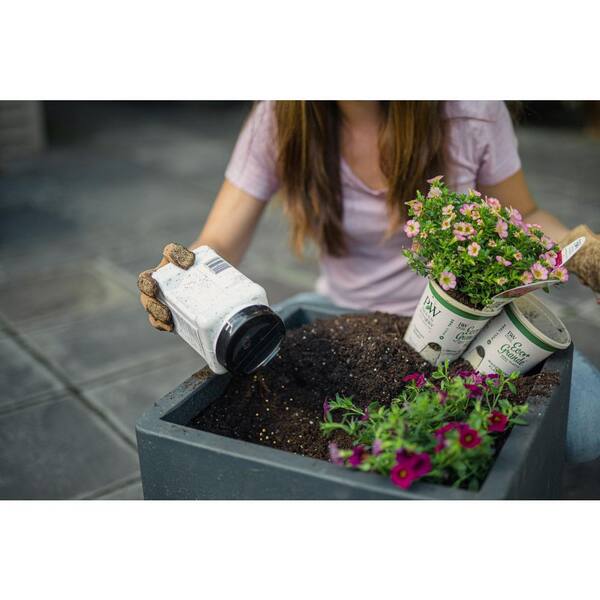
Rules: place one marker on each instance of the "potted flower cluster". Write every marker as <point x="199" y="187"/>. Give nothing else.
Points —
<point x="443" y="429"/>
<point x="471" y="249"/>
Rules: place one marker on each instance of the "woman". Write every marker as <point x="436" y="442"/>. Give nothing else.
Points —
<point x="346" y="169"/>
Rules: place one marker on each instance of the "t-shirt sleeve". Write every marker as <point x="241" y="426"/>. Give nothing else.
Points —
<point x="498" y="150"/>
<point x="253" y="164"/>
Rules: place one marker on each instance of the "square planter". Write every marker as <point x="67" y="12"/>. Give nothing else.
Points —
<point x="178" y="462"/>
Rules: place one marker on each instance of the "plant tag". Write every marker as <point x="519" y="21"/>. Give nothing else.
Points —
<point x="564" y="255"/>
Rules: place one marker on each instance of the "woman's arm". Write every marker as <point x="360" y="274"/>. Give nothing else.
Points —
<point x="228" y="231"/>
<point x="231" y="223"/>
<point x="514" y="192"/>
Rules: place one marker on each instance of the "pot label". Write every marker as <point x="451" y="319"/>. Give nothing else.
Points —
<point x="506" y="345"/>
<point x="439" y="330"/>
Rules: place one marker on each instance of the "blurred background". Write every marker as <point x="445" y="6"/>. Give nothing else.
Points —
<point x="90" y="192"/>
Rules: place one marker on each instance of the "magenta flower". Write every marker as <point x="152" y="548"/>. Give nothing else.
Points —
<point x="502" y="228"/>
<point x="560" y="273"/>
<point x="326" y="408"/>
<point x="474" y="390"/>
<point x="539" y="271"/>
<point x="469" y="438"/>
<point x="497" y="421"/>
<point x="448" y="280"/>
<point x="409" y="466"/>
<point x="412" y="228"/>
<point x="418" y="378"/>
<point x="365" y="415"/>
<point x="473" y="249"/>
<point x="377" y="447"/>
<point x="334" y="454"/>
<point x="358" y="455"/>
<point x="443" y="396"/>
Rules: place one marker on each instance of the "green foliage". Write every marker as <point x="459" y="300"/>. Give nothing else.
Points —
<point x="442" y="428"/>
<point x="476" y="246"/>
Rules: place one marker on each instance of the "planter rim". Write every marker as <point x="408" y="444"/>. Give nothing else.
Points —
<point x="159" y="421"/>
<point x="458" y="308"/>
<point x="530" y="331"/>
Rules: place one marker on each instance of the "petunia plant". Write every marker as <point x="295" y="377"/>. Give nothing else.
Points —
<point x="442" y="429"/>
<point x="473" y="245"/>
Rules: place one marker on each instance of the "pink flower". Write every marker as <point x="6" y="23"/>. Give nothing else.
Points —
<point x="448" y="210"/>
<point x="527" y="277"/>
<point x="442" y="396"/>
<point x="518" y="255"/>
<point x="502" y="228"/>
<point x="434" y="192"/>
<point x="468" y="209"/>
<point x="539" y="271"/>
<point x="417" y="207"/>
<point x="423" y="235"/>
<point x="497" y="421"/>
<point x="412" y="228"/>
<point x="548" y="243"/>
<point x="334" y="454"/>
<point x="503" y="261"/>
<point x="550" y="258"/>
<point x="435" y="179"/>
<point x="358" y="455"/>
<point x="493" y="203"/>
<point x="469" y="438"/>
<point x="448" y="280"/>
<point x="418" y="378"/>
<point x="515" y="216"/>
<point x="446" y="223"/>
<point x="560" y="273"/>
<point x="474" y="193"/>
<point x="377" y="447"/>
<point x="501" y="280"/>
<point x="473" y="249"/>
<point x="492" y="244"/>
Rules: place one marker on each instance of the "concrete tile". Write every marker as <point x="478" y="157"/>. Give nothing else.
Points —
<point x="582" y="481"/>
<point x="22" y="377"/>
<point x="108" y="342"/>
<point x="59" y="450"/>
<point x="133" y="491"/>
<point x="62" y="292"/>
<point x="124" y="401"/>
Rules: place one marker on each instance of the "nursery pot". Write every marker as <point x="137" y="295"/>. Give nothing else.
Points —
<point x="441" y="327"/>
<point x="524" y="334"/>
<point x="179" y="462"/>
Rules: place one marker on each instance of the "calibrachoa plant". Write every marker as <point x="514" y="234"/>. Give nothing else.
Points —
<point x="472" y="244"/>
<point x="441" y="428"/>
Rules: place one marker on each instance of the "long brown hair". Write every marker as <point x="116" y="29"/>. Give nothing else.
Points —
<point x="308" y="142"/>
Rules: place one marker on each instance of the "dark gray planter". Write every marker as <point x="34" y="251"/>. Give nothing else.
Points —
<point x="178" y="462"/>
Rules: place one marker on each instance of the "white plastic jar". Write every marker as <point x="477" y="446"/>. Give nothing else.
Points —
<point x="221" y="313"/>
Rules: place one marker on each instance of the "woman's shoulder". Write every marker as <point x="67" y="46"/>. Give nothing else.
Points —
<point x="478" y="110"/>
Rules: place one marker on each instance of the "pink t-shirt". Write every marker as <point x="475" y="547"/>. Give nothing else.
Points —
<point x="374" y="275"/>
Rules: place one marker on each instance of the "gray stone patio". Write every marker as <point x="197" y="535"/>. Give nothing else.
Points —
<point x="79" y="362"/>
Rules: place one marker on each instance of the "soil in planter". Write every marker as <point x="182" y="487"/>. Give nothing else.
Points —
<point x="362" y="356"/>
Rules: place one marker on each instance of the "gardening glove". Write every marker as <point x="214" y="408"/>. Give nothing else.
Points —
<point x="159" y="314"/>
<point x="586" y="263"/>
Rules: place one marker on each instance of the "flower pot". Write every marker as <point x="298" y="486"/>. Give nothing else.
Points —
<point x="524" y="334"/>
<point x="441" y="327"/>
<point x="178" y="462"/>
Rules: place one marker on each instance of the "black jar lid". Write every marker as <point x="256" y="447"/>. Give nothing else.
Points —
<point x="249" y="339"/>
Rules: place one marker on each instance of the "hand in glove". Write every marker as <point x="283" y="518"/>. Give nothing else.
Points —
<point x="586" y="263"/>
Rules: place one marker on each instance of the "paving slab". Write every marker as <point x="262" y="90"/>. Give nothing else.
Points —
<point x="22" y="377"/>
<point x="105" y="344"/>
<point x="125" y="400"/>
<point x="61" y="293"/>
<point x="133" y="491"/>
<point x="59" y="450"/>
